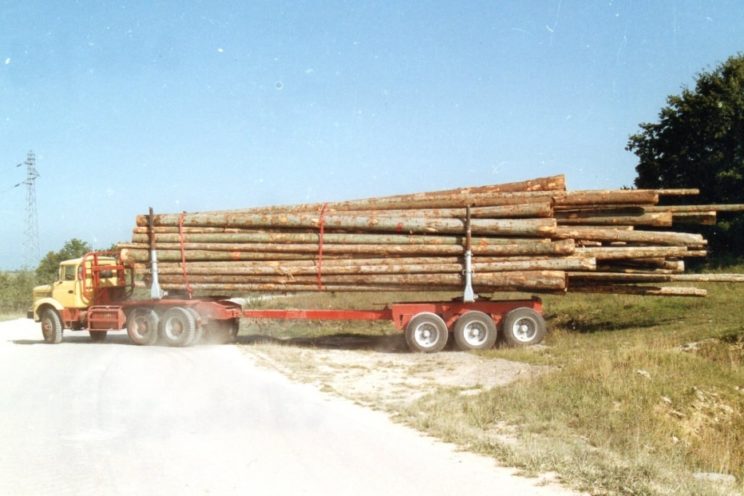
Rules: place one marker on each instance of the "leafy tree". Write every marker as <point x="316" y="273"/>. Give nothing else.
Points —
<point x="699" y="142"/>
<point x="48" y="268"/>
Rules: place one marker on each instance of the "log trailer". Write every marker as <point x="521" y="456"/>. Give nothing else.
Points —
<point x="94" y="294"/>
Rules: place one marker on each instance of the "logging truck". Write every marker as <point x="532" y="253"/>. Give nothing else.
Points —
<point x="94" y="294"/>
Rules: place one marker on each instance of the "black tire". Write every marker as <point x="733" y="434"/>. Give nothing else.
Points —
<point x="177" y="327"/>
<point x="142" y="326"/>
<point x="51" y="326"/>
<point x="199" y="332"/>
<point x="523" y="327"/>
<point x="475" y="331"/>
<point x="98" y="336"/>
<point x="426" y="333"/>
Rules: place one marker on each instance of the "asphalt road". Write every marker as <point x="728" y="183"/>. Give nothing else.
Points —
<point x="82" y="418"/>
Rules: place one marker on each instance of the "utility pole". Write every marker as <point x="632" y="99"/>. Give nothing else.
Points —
<point x="31" y="244"/>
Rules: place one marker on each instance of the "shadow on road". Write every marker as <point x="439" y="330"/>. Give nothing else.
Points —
<point x="391" y="344"/>
<point x="341" y="341"/>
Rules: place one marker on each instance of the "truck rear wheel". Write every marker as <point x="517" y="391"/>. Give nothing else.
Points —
<point x="51" y="326"/>
<point x="142" y="326"/>
<point x="475" y="331"/>
<point x="98" y="336"/>
<point x="178" y="327"/>
<point x="426" y="333"/>
<point x="523" y="327"/>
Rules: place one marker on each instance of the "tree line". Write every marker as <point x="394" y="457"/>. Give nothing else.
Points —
<point x="16" y="287"/>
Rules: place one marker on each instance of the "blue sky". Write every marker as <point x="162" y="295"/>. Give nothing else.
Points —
<point x="217" y="105"/>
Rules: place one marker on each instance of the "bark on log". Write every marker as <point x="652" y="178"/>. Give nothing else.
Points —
<point x="635" y="252"/>
<point x="731" y="207"/>
<point x="328" y="238"/>
<point x="509" y="227"/>
<point x="645" y="277"/>
<point x="639" y="290"/>
<point x="644" y="237"/>
<point x="226" y="251"/>
<point x="656" y="219"/>
<point x="553" y="280"/>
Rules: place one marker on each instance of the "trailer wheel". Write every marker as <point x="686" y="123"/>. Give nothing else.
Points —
<point x="426" y="333"/>
<point x="51" y="326"/>
<point x="142" y="326"/>
<point x="177" y="327"/>
<point x="98" y="336"/>
<point x="475" y="331"/>
<point x="523" y="327"/>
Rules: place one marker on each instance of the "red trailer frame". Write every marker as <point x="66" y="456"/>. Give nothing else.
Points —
<point x="182" y="321"/>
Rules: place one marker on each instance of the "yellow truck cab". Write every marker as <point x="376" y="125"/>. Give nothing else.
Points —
<point x="81" y="283"/>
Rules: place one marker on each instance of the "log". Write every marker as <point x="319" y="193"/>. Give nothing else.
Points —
<point x="645" y="277"/>
<point x="540" y="187"/>
<point x="633" y="252"/>
<point x="639" y="290"/>
<point x="217" y="269"/>
<point x="328" y="238"/>
<point x="703" y="218"/>
<point x="657" y="219"/>
<point x="209" y="251"/>
<point x="731" y="207"/>
<point x="509" y="227"/>
<point x="644" y="237"/>
<point x="554" y="280"/>
<point x="610" y="197"/>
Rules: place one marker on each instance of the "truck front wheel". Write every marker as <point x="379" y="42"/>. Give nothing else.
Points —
<point x="51" y="326"/>
<point x="142" y="326"/>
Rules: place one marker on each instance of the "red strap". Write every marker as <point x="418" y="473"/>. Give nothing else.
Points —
<point x="181" y="239"/>
<point x="319" y="263"/>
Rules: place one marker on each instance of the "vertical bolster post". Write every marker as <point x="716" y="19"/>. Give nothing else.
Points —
<point x="155" y="292"/>
<point x="468" y="295"/>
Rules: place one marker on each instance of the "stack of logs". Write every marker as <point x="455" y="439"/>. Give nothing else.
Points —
<point x="529" y="236"/>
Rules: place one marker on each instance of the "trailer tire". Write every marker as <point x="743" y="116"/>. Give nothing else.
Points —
<point x="475" y="331"/>
<point x="426" y="333"/>
<point x="142" y="326"/>
<point x="98" y="336"/>
<point x="523" y="327"/>
<point x="177" y="327"/>
<point x="51" y="326"/>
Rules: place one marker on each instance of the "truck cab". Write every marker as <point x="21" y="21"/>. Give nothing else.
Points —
<point x="90" y="281"/>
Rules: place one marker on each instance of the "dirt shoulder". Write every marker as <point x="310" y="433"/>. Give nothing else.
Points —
<point x="387" y="379"/>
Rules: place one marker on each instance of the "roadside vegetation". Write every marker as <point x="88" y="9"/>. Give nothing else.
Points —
<point x="16" y="286"/>
<point x="15" y="293"/>
<point x="639" y="393"/>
